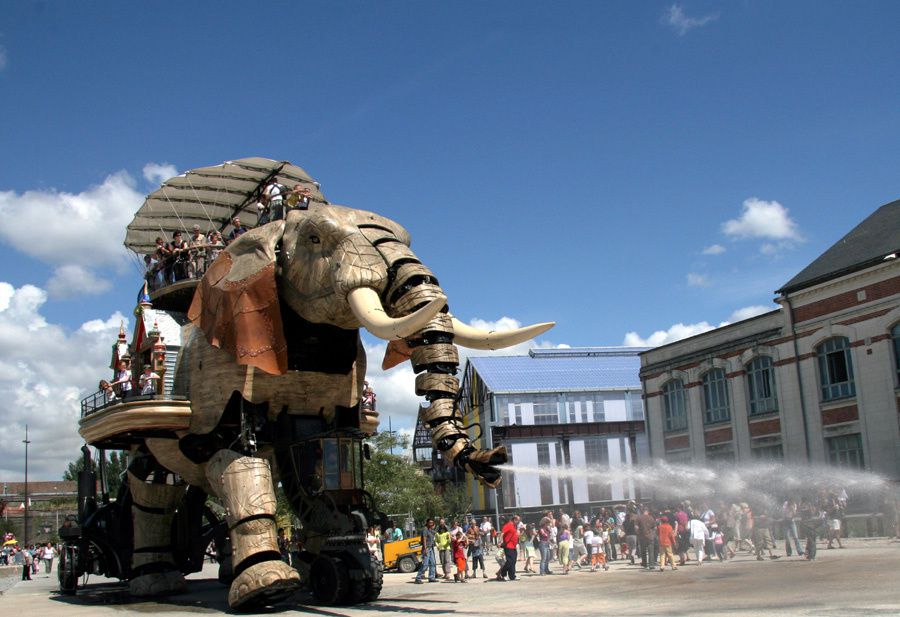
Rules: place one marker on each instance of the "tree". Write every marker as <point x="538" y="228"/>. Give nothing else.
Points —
<point x="116" y="464"/>
<point x="397" y="483"/>
<point x="456" y="501"/>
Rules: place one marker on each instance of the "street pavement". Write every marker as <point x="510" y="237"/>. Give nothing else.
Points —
<point x="860" y="580"/>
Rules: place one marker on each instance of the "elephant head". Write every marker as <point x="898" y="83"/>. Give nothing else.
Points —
<point x="348" y="269"/>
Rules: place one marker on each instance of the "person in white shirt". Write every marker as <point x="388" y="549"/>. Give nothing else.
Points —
<point x="47" y="554"/>
<point x="148" y="381"/>
<point x="699" y="535"/>
<point x="123" y="380"/>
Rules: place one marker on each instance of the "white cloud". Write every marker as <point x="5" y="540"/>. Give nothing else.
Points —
<point x="762" y="219"/>
<point x="45" y="371"/>
<point x="676" y="18"/>
<point x="78" y="233"/>
<point x="663" y="337"/>
<point x="157" y="173"/>
<point x="74" y="280"/>
<point x="681" y="331"/>
<point x="749" y="311"/>
<point x="715" y="249"/>
<point x="697" y="280"/>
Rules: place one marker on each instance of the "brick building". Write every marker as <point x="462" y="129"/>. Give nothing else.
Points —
<point x="815" y="380"/>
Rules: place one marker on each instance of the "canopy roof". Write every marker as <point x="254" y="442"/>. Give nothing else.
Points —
<point x="210" y="197"/>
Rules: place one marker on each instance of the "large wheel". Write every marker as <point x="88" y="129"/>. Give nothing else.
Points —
<point x="65" y="571"/>
<point x="407" y="565"/>
<point x="328" y="580"/>
<point x="368" y="588"/>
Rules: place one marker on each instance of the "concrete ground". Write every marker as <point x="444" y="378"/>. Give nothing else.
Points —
<point x="858" y="580"/>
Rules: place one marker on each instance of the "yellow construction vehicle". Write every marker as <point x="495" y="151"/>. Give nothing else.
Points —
<point x="403" y="555"/>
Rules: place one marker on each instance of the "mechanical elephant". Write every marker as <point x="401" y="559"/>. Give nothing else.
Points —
<point x="273" y="365"/>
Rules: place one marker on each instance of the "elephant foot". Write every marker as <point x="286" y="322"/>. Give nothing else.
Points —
<point x="263" y="583"/>
<point x="158" y="584"/>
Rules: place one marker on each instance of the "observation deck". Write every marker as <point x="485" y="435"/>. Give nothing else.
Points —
<point x="120" y="424"/>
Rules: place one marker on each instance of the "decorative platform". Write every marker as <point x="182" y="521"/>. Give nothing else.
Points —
<point x="120" y="425"/>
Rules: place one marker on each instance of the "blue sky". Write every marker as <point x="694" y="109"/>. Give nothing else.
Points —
<point x="616" y="167"/>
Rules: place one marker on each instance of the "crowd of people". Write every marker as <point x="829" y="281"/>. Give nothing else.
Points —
<point x="655" y="537"/>
<point x="29" y="558"/>
<point x="188" y="258"/>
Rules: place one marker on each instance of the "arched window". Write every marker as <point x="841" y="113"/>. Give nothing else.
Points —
<point x="895" y="336"/>
<point x="675" y="408"/>
<point x="715" y="397"/>
<point x="836" y="369"/>
<point x="761" y="385"/>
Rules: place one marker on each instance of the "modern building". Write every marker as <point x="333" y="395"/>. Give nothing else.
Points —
<point x="816" y="380"/>
<point x="553" y="409"/>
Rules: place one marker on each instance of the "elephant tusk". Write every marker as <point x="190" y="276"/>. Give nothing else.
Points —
<point x="367" y="307"/>
<point x="474" y="338"/>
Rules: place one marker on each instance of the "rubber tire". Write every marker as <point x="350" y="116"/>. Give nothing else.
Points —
<point x="368" y="589"/>
<point x="407" y="565"/>
<point x="65" y="571"/>
<point x="328" y="580"/>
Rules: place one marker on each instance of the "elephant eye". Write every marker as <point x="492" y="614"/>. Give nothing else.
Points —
<point x="314" y="239"/>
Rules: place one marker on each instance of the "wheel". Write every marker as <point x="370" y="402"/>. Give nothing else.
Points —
<point x="328" y="580"/>
<point x="68" y="578"/>
<point x="407" y="565"/>
<point x="368" y="588"/>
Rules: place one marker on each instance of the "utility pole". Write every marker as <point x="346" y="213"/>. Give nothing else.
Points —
<point x="25" y="530"/>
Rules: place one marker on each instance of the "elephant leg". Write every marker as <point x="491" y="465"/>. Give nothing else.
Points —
<point x="244" y="484"/>
<point x="152" y="510"/>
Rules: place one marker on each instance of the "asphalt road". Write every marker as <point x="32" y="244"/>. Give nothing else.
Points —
<point x="860" y="580"/>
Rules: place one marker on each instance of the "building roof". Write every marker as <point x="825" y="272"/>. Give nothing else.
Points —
<point x="39" y="488"/>
<point x="866" y="245"/>
<point x="168" y="322"/>
<point x="579" y="369"/>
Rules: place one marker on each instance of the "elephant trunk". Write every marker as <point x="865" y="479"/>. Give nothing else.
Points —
<point x="435" y="361"/>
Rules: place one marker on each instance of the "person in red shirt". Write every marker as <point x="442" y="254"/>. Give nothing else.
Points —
<point x="510" y="542"/>
<point x="459" y="544"/>
<point x="666" y="544"/>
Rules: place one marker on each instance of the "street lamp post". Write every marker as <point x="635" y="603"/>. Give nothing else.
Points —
<point x="25" y="530"/>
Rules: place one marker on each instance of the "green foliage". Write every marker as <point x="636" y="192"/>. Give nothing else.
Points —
<point x="456" y="501"/>
<point x="396" y="482"/>
<point x="13" y="527"/>
<point x="116" y="464"/>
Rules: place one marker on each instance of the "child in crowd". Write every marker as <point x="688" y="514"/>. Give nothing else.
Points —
<point x="666" y="544"/>
<point x="598" y="556"/>
<point x="458" y="544"/>
<point x="718" y="540"/>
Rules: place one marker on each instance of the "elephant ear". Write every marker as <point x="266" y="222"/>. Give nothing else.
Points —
<point x="237" y="305"/>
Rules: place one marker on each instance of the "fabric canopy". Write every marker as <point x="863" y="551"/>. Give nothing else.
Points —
<point x="210" y="197"/>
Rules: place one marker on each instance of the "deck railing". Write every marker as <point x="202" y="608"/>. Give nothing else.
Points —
<point x="99" y="400"/>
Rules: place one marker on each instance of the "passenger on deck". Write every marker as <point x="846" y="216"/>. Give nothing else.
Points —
<point x="274" y="194"/>
<point x="263" y="213"/>
<point x="368" y="396"/>
<point x="298" y="197"/>
<point x="109" y="395"/>
<point x="123" y="380"/>
<point x="148" y="381"/>
<point x="197" y="243"/>
<point x="150" y="270"/>
<point x="215" y="245"/>
<point x="180" y="257"/>
<point x="237" y="230"/>
<point x="163" y="260"/>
